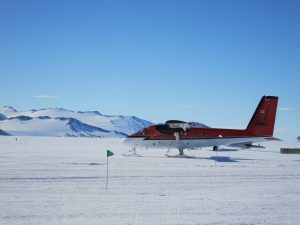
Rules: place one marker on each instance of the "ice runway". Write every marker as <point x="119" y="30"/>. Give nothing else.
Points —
<point x="62" y="181"/>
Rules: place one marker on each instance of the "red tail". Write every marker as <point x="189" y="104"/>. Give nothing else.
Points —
<point x="263" y="120"/>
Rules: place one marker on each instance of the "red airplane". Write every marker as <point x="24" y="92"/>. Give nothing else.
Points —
<point x="182" y="135"/>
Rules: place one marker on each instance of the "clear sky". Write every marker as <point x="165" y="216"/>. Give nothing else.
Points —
<point x="205" y="60"/>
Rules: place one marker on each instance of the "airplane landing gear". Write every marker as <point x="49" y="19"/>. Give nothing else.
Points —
<point x="132" y="152"/>
<point x="215" y="148"/>
<point x="181" y="153"/>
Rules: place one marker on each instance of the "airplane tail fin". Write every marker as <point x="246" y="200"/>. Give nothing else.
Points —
<point x="263" y="120"/>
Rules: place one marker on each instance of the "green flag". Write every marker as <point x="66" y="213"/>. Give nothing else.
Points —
<point x="109" y="153"/>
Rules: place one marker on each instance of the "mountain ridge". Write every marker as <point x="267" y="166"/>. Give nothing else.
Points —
<point x="65" y="122"/>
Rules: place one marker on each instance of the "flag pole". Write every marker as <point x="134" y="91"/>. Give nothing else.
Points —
<point x="108" y="154"/>
<point x="106" y="172"/>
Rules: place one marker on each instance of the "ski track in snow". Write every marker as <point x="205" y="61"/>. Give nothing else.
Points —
<point x="47" y="180"/>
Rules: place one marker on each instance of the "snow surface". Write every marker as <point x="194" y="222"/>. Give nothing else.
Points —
<point x="46" y="180"/>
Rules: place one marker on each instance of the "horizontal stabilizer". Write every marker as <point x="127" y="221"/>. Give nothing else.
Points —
<point x="272" y="139"/>
<point x="255" y="146"/>
<point x="245" y="145"/>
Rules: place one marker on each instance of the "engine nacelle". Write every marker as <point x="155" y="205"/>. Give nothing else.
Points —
<point x="178" y="124"/>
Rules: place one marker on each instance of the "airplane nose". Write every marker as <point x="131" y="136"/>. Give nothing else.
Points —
<point x="127" y="141"/>
<point x="133" y="141"/>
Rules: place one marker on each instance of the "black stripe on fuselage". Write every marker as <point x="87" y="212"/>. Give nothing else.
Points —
<point x="136" y="136"/>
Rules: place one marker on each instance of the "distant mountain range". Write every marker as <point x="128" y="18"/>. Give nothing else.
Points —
<point x="62" y="122"/>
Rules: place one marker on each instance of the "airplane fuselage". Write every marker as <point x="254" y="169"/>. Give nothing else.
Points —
<point x="184" y="135"/>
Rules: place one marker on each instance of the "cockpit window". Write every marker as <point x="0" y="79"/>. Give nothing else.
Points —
<point x="165" y="129"/>
<point x="141" y="132"/>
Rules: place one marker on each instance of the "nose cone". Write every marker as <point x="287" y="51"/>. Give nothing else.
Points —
<point x="127" y="141"/>
<point x="130" y="141"/>
<point x="134" y="141"/>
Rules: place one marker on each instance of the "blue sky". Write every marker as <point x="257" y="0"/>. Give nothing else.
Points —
<point x="206" y="61"/>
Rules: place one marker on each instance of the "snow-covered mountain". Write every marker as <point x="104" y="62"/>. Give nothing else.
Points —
<point x="2" y="133"/>
<point x="62" y="122"/>
<point x="2" y="117"/>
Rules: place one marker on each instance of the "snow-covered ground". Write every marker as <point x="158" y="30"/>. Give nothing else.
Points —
<point x="46" y="180"/>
